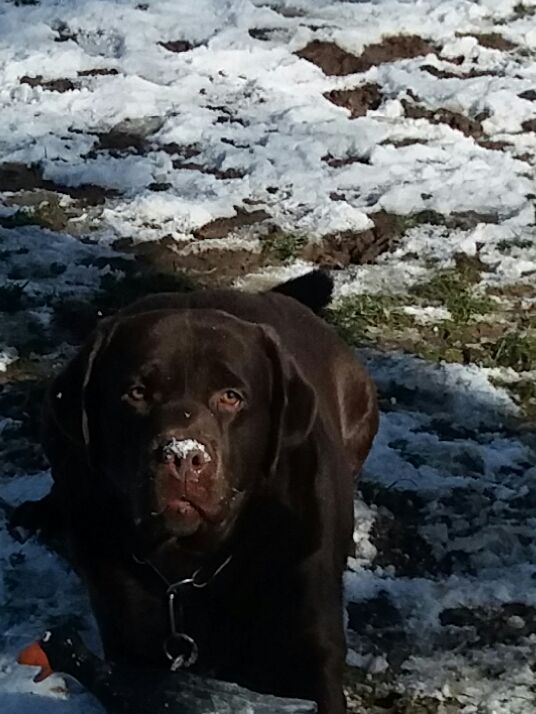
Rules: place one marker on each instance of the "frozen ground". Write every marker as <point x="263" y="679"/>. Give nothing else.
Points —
<point x="241" y="142"/>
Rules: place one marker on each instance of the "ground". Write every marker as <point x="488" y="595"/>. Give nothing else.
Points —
<point x="161" y="145"/>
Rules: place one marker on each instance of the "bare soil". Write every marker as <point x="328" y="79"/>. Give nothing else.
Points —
<point x="333" y="60"/>
<point x="358" y="101"/>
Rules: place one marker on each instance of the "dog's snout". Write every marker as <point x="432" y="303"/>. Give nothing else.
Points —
<point x="192" y="462"/>
<point x="190" y="455"/>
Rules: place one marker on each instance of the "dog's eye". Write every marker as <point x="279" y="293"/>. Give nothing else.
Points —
<point x="136" y="393"/>
<point x="230" y="399"/>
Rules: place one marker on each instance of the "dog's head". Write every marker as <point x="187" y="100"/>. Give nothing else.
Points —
<point x="181" y="415"/>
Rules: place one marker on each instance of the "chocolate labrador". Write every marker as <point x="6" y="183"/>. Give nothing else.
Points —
<point x="204" y="448"/>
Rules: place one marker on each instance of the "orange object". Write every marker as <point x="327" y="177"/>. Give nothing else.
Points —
<point x="35" y="656"/>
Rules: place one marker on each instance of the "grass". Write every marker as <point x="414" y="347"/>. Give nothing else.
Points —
<point x="480" y="330"/>
<point x="516" y="349"/>
<point x="20" y="218"/>
<point x="283" y="247"/>
<point x="357" y="317"/>
<point x="380" y="319"/>
<point x="523" y="392"/>
<point x="456" y="290"/>
<point x="360" y="318"/>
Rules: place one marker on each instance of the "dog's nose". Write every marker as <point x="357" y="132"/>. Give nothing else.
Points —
<point x="189" y="455"/>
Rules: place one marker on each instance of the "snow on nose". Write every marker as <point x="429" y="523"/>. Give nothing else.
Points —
<point x="186" y="449"/>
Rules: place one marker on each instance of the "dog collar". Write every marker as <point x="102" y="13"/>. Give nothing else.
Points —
<point x="179" y="648"/>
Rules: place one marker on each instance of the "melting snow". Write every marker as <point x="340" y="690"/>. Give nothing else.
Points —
<point x="183" y="447"/>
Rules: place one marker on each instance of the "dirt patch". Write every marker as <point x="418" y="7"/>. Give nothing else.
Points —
<point x="177" y="46"/>
<point x="494" y="145"/>
<point x="221" y="227"/>
<point x="21" y="401"/>
<point x="287" y="11"/>
<point x="395" y="531"/>
<point x="459" y="122"/>
<point x="218" y="173"/>
<point x="448" y="74"/>
<point x="185" y="151"/>
<point x="336" y="162"/>
<point x="44" y="209"/>
<point x="19" y="177"/>
<point x="50" y="85"/>
<point x="508" y="623"/>
<point x="358" y="101"/>
<point x="159" y="186"/>
<point x="457" y="220"/>
<point x="344" y="248"/>
<point x="209" y="265"/>
<point x="494" y="41"/>
<point x="226" y="115"/>
<point x="400" y="143"/>
<point x="529" y="125"/>
<point x="217" y="266"/>
<point x="97" y="72"/>
<point x="527" y="157"/>
<point x="333" y="60"/>
<point x="381" y="699"/>
<point x="118" y="143"/>
<point x="64" y="34"/>
<point x="261" y="33"/>
<point x="529" y="95"/>
<point x="378" y="622"/>
<point x="48" y="209"/>
<point x="129" y="136"/>
<point x="399" y="545"/>
<point x="514" y="291"/>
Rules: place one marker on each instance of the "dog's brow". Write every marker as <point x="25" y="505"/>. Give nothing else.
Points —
<point x="149" y="369"/>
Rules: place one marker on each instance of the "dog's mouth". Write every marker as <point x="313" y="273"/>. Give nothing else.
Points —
<point x="184" y="506"/>
<point x="183" y="518"/>
<point x="184" y="515"/>
<point x="185" y="512"/>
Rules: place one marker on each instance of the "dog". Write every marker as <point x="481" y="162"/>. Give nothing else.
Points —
<point x="204" y="448"/>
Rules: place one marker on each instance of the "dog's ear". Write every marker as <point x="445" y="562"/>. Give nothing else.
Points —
<point x="65" y="408"/>
<point x="294" y="402"/>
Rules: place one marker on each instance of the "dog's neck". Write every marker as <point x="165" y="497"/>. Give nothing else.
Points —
<point x="174" y="561"/>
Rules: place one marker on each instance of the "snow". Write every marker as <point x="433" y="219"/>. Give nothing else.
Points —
<point x="183" y="447"/>
<point x="8" y="355"/>
<point x="485" y="472"/>
<point x="446" y="446"/>
<point x="282" y="122"/>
